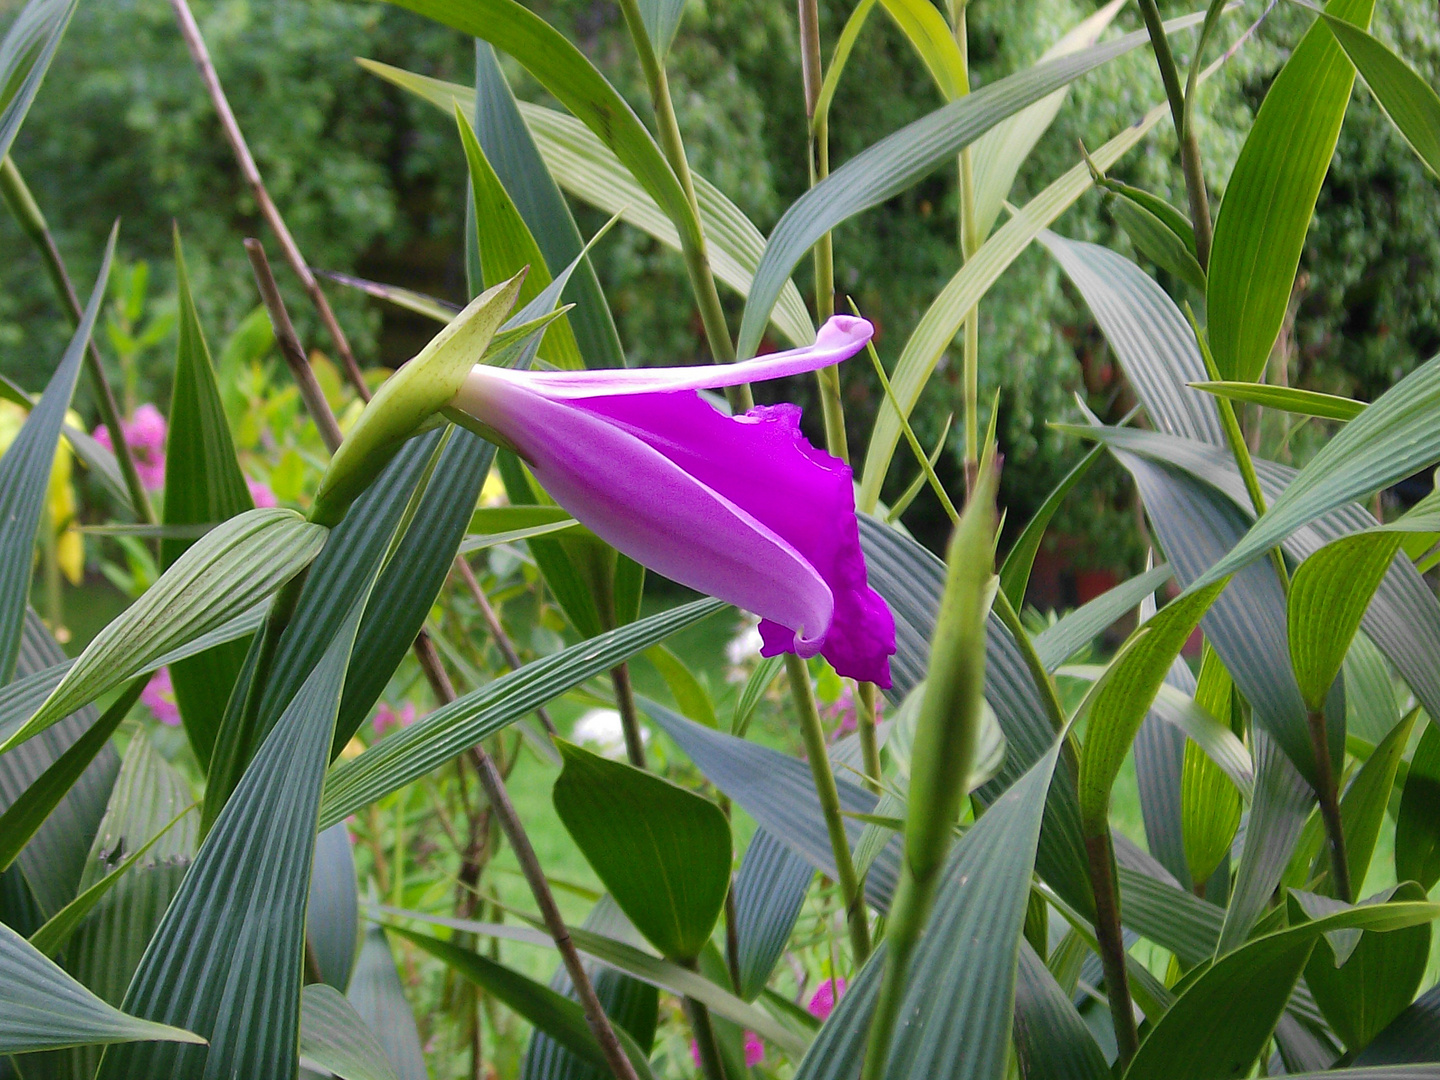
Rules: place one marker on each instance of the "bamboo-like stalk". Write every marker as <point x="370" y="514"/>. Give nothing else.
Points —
<point x="195" y="42"/>
<point x="1100" y="858"/>
<point x="697" y="259"/>
<point x="26" y="210"/>
<point x="829" y="795"/>
<point x="1327" y="792"/>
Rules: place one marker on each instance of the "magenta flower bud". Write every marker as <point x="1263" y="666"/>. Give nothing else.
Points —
<point x="742" y="508"/>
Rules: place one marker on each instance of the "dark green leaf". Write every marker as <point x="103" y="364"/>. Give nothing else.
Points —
<point x="1015" y="572"/>
<point x="332" y="916"/>
<point x="1159" y="243"/>
<point x="1051" y="1040"/>
<point x="25" y="56"/>
<point x="1063" y="639"/>
<point x="25" y="468"/>
<point x="203" y="483"/>
<point x="1417" y="829"/>
<point x="769" y="892"/>
<point x="1363" y="807"/>
<point x="662" y="852"/>
<point x="1287" y="399"/>
<point x="379" y="999"/>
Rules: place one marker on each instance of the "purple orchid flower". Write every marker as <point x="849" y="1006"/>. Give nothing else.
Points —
<point x="742" y="507"/>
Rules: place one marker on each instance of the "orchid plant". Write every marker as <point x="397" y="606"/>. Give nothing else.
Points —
<point x="244" y="878"/>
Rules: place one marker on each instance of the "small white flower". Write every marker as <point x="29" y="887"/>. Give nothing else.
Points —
<point x="604" y="730"/>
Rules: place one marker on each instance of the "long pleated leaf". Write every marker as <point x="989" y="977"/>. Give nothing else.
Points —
<point x="227" y="572"/>
<point x="589" y="170"/>
<point x="332" y="913"/>
<point x="521" y="169"/>
<point x="428" y="743"/>
<point x="1271" y="193"/>
<point x="25" y="56"/>
<point x="25" y="468"/>
<point x="896" y="162"/>
<point x="1061" y="640"/>
<point x="203" y="483"/>
<point x="333" y="1036"/>
<point x="1051" y="1039"/>
<point x="45" y="1009"/>
<point x="226" y="959"/>
<point x="769" y="893"/>
<point x="379" y="999"/>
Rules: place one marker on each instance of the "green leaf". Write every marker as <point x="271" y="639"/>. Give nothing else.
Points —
<point x="506" y="246"/>
<point x="25" y="56"/>
<point x="1210" y="803"/>
<point x="998" y="154"/>
<point x="1409" y="101"/>
<point x="1286" y="399"/>
<point x="1173" y="220"/>
<point x="25" y="467"/>
<point x="1328" y="596"/>
<point x="45" y="1009"/>
<point x="1063" y="639"/>
<point x="1051" y="1039"/>
<point x="590" y="171"/>
<point x="227" y="955"/>
<point x="556" y="1015"/>
<point x="662" y="19"/>
<point x="770" y="890"/>
<point x="379" y="999"/>
<point x="441" y="311"/>
<point x="446" y="732"/>
<point x="844" y="46"/>
<point x="940" y="323"/>
<point x="1220" y="1023"/>
<point x="1015" y="571"/>
<point x="333" y="1036"/>
<point x="689" y="694"/>
<point x="203" y="483"/>
<point x="662" y="852"/>
<point x="1120" y="698"/>
<point x="753" y="690"/>
<point x="1271" y="193"/>
<point x="228" y="571"/>
<point x="619" y="955"/>
<point x="929" y="35"/>
<point x="1158" y="242"/>
<point x="24" y="817"/>
<point x="1363" y="807"/>
<point x="1417" y="828"/>
<point x="332" y="916"/>
<point x="896" y="162"/>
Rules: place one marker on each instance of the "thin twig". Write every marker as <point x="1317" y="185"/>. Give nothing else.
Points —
<point x="27" y="213"/>
<point x="497" y="632"/>
<point x="190" y="31"/>
<point x="291" y="349"/>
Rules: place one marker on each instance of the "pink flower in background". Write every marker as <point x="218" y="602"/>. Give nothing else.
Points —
<point x="145" y="436"/>
<point x="159" y="697"/>
<point x="844" y="711"/>
<point x="822" y="1002"/>
<point x="387" y="718"/>
<point x="261" y="495"/>
<point x="754" y="1051"/>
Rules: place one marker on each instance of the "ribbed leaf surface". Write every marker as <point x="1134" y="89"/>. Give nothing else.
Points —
<point x="333" y="1035"/>
<point x="769" y="893"/>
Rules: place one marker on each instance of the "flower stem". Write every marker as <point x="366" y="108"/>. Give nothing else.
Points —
<point x="1101" y="862"/>
<point x="829" y="795"/>
<point x="629" y="715"/>
<point x="1189" y="146"/>
<point x="26" y="211"/>
<point x="692" y="240"/>
<point x="1327" y="793"/>
<point x="190" y="31"/>
<point x="865" y="725"/>
<point x="704" y="1031"/>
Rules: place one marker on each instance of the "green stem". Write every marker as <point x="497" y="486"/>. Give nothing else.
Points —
<point x="1101" y="862"/>
<point x="1044" y="681"/>
<point x="706" y="1045"/>
<point x="1179" y="115"/>
<point x="629" y="715"/>
<point x="865" y="725"/>
<point x="27" y="214"/>
<point x="1326" y="790"/>
<point x="903" y="925"/>
<point x="692" y="242"/>
<point x="829" y="795"/>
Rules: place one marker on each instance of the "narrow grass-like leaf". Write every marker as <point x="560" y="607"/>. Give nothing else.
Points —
<point x="1409" y="101"/>
<point x="556" y="1015"/>
<point x="1417" y="828"/>
<point x="25" y="56"/>
<point x="1158" y="243"/>
<point x="1063" y="639"/>
<point x="24" y="817"/>
<point x="226" y="958"/>
<point x="896" y="162"/>
<point x="434" y="740"/>
<point x="227" y="572"/>
<point x="662" y="852"/>
<point x="333" y="1036"/>
<point x="1363" y="807"/>
<point x="1121" y="697"/>
<point x="1271" y="193"/>
<point x="45" y="1009"/>
<point x="937" y="327"/>
<point x="379" y="999"/>
<point x="25" y="468"/>
<point x="1328" y="597"/>
<point x="442" y="311"/>
<point x="753" y="691"/>
<point x="1286" y="399"/>
<point x="1015" y="571"/>
<point x="203" y="483"/>
<point x="684" y="687"/>
<point x="926" y="30"/>
<point x="1051" y="1039"/>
